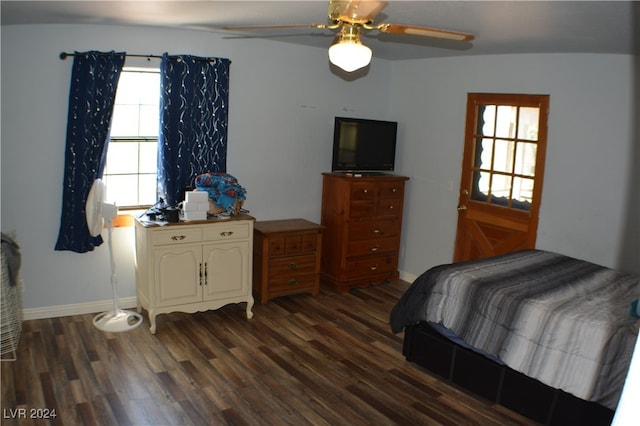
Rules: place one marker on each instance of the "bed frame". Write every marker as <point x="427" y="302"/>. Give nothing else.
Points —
<point x="476" y="373"/>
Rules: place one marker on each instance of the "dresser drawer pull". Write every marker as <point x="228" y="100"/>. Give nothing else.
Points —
<point x="373" y="267"/>
<point x="226" y="233"/>
<point x="394" y="190"/>
<point x="365" y="191"/>
<point x="374" y="248"/>
<point x="293" y="282"/>
<point x="178" y="237"/>
<point x="293" y="265"/>
<point x="390" y="207"/>
<point x="376" y="231"/>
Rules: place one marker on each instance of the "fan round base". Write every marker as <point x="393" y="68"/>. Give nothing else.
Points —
<point x="116" y="321"/>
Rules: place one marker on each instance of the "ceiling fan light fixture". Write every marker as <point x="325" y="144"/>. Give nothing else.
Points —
<point x="348" y="52"/>
<point x="350" y="56"/>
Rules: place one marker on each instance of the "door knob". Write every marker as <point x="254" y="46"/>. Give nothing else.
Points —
<point x="462" y="208"/>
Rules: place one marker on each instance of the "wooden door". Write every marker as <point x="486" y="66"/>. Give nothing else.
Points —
<point x="502" y="174"/>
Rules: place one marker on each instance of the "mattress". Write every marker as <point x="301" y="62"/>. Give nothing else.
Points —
<point x="563" y="321"/>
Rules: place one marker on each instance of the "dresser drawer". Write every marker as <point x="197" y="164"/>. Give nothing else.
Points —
<point x="370" y="229"/>
<point x="368" y="247"/>
<point x="364" y="208"/>
<point x="392" y="190"/>
<point x="227" y="231"/>
<point x="363" y="191"/>
<point x="389" y="207"/>
<point x="372" y="265"/>
<point x="288" y="266"/>
<point x="176" y="235"/>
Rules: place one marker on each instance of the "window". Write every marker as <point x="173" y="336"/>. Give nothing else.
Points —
<point x="131" y="168"/>
<point x="506" y="147"/>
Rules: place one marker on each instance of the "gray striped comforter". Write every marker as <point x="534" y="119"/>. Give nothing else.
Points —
<point x="563" y="321"/>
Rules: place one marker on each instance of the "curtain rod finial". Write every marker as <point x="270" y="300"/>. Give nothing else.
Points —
<point x="63" y="55"/>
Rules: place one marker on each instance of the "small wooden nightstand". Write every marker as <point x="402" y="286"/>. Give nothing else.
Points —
<point x="286" y="258"/>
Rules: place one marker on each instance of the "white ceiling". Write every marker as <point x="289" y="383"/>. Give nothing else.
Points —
<point x="499" y="26"/>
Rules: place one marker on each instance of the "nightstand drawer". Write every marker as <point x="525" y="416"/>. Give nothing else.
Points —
<point x="294" y="264"/>
<point x="296" y="244"/>
<point x="177" y="235"/>
<point x="289" y="284"/>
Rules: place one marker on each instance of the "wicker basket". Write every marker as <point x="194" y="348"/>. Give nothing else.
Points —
<point x="10" y="313"/>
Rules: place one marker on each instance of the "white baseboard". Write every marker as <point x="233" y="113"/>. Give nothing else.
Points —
<point x="77" y="308"/>
<point x="405" y="276"/>
<point x="107" y="305"/>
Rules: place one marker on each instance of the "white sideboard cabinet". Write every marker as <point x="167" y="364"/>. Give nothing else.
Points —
<point x="194" y="266"/>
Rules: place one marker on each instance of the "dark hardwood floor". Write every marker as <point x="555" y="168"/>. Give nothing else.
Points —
<point x="324" y="360"/>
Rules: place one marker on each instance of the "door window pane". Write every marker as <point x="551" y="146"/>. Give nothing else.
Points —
<point x="503" y="156"/>
<point x="484" y="153"/>
<point x="480" y="189"/>
<point x="522" y="192"/>
<point x="506" y="121"/>
<point x="526" y="158"/>
<point x="488" y="120"/>
<point x="500" y="186"/>
<point x="528" y="123"/>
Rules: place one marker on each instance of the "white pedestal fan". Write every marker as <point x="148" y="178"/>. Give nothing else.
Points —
<point x="98" y="212"/>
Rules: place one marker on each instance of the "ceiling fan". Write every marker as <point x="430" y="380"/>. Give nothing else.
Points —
<point x="351" y="18"/>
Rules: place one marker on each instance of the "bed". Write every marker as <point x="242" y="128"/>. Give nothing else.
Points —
<point x="544" y="334"/>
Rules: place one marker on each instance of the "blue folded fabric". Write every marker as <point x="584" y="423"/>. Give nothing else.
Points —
<point x="222" y="188"/>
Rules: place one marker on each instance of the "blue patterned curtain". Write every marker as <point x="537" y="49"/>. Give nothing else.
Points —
<point x="94" y="79"/>
<point x="193" y="121"/>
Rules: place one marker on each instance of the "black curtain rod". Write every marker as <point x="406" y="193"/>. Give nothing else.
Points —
<point x="65" y="55"/>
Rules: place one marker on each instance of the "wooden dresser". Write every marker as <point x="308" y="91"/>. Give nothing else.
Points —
<point x="286" y="256"/>
<point x="362" y="217"/>
<point x="194" y="266"/>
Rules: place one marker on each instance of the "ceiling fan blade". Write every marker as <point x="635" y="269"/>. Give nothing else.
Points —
<point x="424" y="32"/>
<point x="355" y="11"/>
<point x="276" y="27"/>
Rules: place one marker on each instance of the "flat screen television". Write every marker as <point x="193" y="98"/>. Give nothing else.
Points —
<point x="363" y="145"/>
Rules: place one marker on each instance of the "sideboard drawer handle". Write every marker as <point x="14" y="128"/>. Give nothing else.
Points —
<point x="178" y="237"/>
<point x="373" y="267"/>
<point x="226" y="233"/>
<point x="293" y="282"/>
<point x="293" y="265"/>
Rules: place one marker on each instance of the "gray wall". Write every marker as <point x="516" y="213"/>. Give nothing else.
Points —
<point x="282" y="102"/>
<point x="588" y="169"/>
